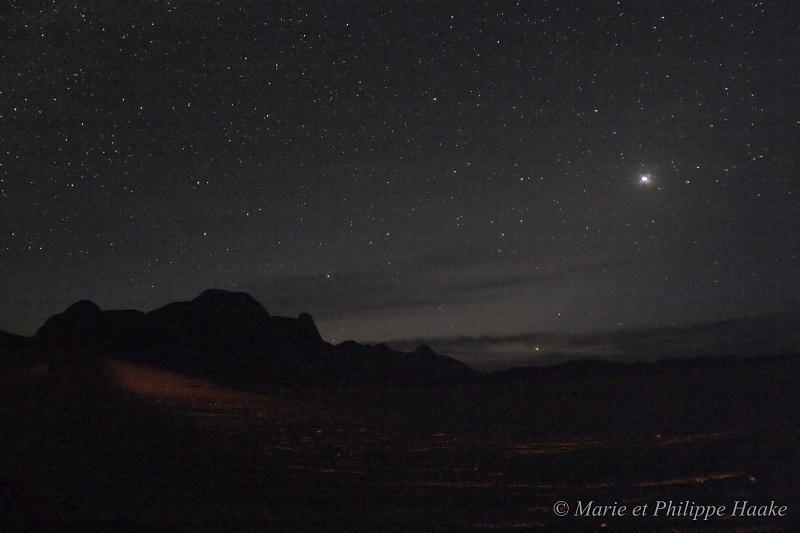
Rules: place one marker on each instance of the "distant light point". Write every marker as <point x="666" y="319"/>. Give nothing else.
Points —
<point x="644" y="178"/>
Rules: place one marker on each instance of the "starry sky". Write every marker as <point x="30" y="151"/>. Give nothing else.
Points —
<point x="403" y="169"/>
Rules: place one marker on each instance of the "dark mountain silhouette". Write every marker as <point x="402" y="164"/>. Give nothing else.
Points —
<point x="79" y="328"/>
<point x="98" y="436"/>
<point x="595" y="369"/>
<point x="13" y="348"/>
<point x="229" y="335"/>
<point x="11" y="341"/>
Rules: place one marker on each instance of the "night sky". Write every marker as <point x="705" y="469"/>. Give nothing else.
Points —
<point x="400" y="169"/>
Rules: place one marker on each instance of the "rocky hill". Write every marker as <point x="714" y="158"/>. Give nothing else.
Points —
<point x="231" y="335"/>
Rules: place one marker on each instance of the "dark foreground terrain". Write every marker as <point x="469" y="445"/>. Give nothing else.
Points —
<point x="117" y="445"/>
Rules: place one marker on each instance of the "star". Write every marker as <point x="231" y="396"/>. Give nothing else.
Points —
<point x="644" y="179"/>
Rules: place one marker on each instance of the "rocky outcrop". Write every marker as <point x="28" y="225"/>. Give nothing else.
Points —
<point x="231" y="333"/>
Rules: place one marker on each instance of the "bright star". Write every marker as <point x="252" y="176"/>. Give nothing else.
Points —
<point x="644" y="178"/>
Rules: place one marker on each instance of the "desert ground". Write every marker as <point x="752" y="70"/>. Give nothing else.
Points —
<point x="114" y="445"/>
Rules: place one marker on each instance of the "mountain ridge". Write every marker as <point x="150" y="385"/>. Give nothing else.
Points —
<point x="230" y="335"/>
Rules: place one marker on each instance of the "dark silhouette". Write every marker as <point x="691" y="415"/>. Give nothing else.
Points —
<point x="12" y="348"/>
<point x="212" y="414"/>
<point x="231" y="336"/>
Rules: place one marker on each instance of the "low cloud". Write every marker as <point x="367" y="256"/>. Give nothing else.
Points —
<point x="774" y="334"/>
